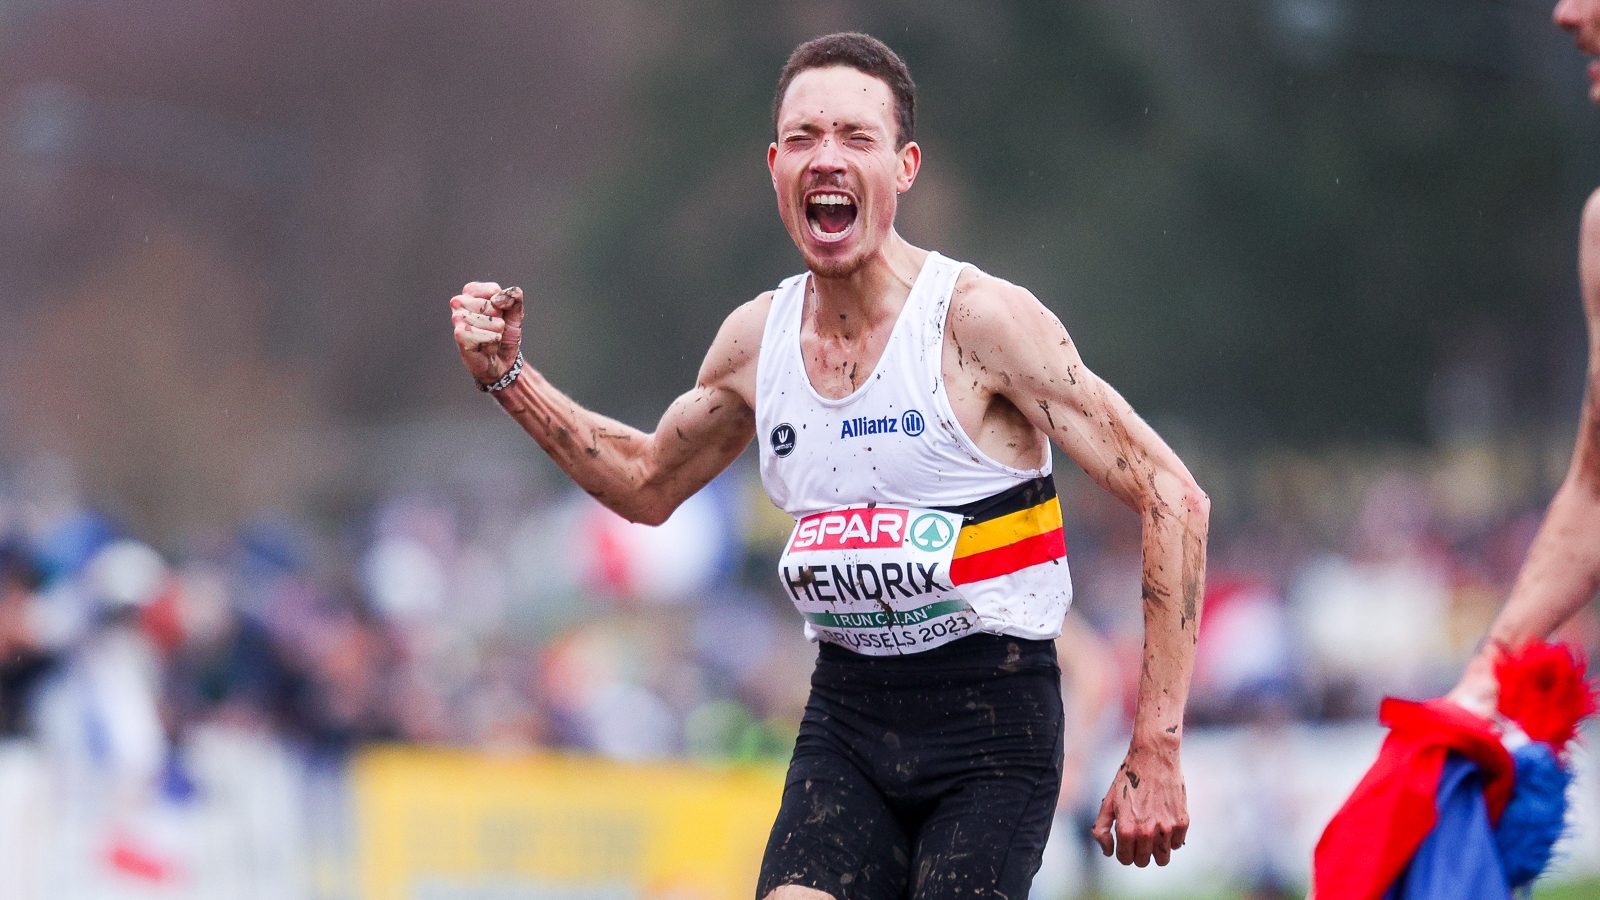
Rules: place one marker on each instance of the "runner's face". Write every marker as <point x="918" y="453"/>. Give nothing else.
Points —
<point x="1581" y="19"/>
<point x="835" y="167"/>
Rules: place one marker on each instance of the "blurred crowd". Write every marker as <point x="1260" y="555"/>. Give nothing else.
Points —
<point x="446" y="619"/>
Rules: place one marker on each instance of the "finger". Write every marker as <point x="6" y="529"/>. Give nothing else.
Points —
<point x="1180" y="834"/>
<point x="469" y="302"/>
<point x="1101" y="831"/>
<point x="469" y="338"/>
<point x="513" y="310"/>
<point x="1143" y="843"/>
<point x="484" y="289"/>
<point x="506" y="298"/>
<point x="479" y="320"/>
<point x="1161" y="848"/>
<point x="1126" y="843"/>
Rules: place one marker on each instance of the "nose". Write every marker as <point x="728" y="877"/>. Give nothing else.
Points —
<point x="1566" y="15"/>
<point x="827" y="160"/>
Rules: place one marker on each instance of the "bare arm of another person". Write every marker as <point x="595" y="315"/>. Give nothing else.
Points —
<point x="1088" y="688"/>
<point x="1030" y="360"/>
<point x="642" y="477"/>
<point x="1563" y="565"/>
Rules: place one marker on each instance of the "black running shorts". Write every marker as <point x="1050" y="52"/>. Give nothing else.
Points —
<point x="926" y="776"/>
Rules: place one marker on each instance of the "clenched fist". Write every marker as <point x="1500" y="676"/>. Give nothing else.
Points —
<point x="488" y="328"/>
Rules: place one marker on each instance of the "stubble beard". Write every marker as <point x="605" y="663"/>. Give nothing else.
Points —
<point x="836" y="267"/>
<point x="840" y="268"/>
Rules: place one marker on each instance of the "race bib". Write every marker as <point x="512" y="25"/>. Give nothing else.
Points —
<point x="876" y="579"/>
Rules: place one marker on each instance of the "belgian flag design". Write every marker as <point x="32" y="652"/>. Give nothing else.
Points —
<point x="1010" y="531"/>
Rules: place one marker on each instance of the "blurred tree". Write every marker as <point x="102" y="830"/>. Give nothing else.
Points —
<point x="1269" y="222"/>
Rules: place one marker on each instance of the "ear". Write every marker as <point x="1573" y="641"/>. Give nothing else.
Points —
<point x="772" y="161"/>
<point x="910" y="158"/>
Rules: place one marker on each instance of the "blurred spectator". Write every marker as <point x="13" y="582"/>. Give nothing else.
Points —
<point x="594" y="635"/>
<point x="24" y="657"/>
<point x="1373" y="616"/>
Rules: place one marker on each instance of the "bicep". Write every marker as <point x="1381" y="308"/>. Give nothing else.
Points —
<point x="1586" y="452"/>
<point x="707" y="427"/>
<point x="1102" y="433"/>
<point x="1083" y="415"/>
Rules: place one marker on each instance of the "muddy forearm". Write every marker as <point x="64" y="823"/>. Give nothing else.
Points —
<point x="1173" y="588"/>
<point x="603" y="456"/>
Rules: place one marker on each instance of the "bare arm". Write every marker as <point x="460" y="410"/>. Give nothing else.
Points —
<point x="643" y="477"/>
<point x="1040" y="372"/>
<point x="1088" y="673"/>
<point x="1562" y="569"/>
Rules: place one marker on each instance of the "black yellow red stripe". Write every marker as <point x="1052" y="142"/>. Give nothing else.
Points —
<point x="1013" y="530"/>
<point x="979" y="537"/>
<point x="1030" y="551"/>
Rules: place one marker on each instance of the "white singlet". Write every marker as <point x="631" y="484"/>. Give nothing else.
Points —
<point x="907" y="534"/>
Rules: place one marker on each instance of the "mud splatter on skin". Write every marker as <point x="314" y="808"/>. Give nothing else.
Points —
<point x="1161" y="502"/>
<point x="1154" y="594"/>
<point x="1044" y="407"/>
<point x="1193" y="572"/>
<point x="1129" y="451"/>
<point x="1133" y="778"/>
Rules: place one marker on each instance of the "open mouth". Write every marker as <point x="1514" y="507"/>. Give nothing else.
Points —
<point x="830" y="214"/>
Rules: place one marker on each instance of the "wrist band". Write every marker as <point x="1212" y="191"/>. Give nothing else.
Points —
<point x="506" y="379"/>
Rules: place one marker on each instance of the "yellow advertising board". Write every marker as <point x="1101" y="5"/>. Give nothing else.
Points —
<point x="457" y="825"/>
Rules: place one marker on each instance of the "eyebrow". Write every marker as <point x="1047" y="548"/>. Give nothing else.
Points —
<point x="810" y="125"/>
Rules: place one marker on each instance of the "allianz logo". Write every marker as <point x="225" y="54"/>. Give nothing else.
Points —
<point x="909" y="423"/>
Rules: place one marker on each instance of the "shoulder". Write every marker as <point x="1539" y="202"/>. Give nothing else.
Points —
<point x="1589" y="259"/>
<point x="988" y="308"/>
<point x="750" y="315"/>
<point x="1003" y="336"/>
<point x="1591" y="212"/>
<point x="739" y="339"/>
<point x="1589" y="224"/>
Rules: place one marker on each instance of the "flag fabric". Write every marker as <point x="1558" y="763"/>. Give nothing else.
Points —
<point x="1457" y="859"/>
<point x="1373" y="837"/>
<point x="1448" y="812"/>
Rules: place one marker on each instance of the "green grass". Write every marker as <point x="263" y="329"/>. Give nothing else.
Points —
<point x="1577" y="890"/>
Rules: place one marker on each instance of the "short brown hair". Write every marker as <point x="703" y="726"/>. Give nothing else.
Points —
<point x="865" y="54"/>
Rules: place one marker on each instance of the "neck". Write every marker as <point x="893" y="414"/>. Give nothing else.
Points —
<point x="875" y="291"/>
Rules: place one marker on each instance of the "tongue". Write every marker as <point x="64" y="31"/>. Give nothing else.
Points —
<point x="835" y="219"/>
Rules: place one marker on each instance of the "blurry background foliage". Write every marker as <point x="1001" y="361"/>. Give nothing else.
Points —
<point x="229" y="229"/>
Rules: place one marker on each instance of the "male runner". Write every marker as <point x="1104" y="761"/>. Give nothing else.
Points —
<point x="1563" y="565"/>
<point x="903" y="403"/>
